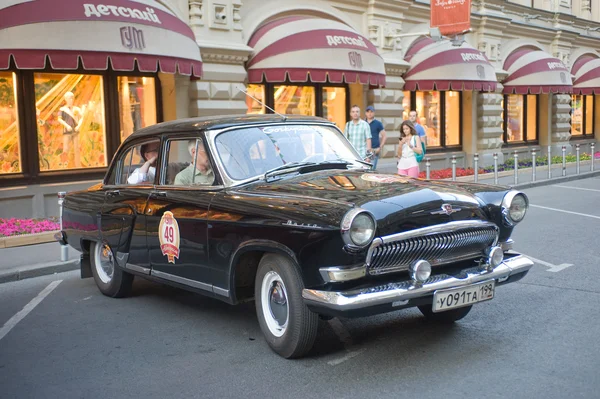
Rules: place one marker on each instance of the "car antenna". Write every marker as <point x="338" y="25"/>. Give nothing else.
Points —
<point x="263" y="104"/>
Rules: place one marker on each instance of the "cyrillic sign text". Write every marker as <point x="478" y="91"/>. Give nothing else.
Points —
<point x="93" y="10"/>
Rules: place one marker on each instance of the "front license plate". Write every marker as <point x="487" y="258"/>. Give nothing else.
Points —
<point x="458" y="297"/>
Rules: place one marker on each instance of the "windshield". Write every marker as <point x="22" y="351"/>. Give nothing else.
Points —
<point x="250" y="152"/>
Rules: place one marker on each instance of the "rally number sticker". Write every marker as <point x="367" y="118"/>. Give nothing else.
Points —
<point x="168" y="236"/>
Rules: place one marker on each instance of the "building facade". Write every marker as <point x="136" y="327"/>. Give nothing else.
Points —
<point x="525" y="77"/>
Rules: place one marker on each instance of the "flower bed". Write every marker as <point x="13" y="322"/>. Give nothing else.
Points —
<point x="17" y="227"/>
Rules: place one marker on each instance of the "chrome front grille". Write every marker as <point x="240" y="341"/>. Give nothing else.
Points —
<point x="439" y="245"/>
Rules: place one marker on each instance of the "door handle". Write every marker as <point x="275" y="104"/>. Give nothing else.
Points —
<point x="159" y="193"/>
<point x="113" y="193"/>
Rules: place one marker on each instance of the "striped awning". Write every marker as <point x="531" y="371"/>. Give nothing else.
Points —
<point x="586" y="72"/>
<point x="440" y="65"/>
<point x="311" y="49"/>
<point x="535" y="71"/>
<point x="117" y="34"/>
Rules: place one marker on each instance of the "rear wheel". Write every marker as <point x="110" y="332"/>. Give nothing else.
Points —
<point x="111" y="280"/>
<point x="449" y="316"/>
<point x="289" y="327"/>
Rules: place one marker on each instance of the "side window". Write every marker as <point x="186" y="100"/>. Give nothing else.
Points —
<point x="183" y="169"/>
<point x="138" y="164"/>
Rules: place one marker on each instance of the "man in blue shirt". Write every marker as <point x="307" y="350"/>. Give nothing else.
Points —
<point x="412" y="116"/>
<point x="378" y="135"/>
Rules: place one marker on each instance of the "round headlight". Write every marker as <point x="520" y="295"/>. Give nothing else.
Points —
<point x="514" y="207"/>
<point x="362" y="229"/>
<point x="358" y="228"/>
<point x="518" y="208"/>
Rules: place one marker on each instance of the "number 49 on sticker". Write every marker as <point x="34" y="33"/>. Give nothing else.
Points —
<point x="169" y="236"/>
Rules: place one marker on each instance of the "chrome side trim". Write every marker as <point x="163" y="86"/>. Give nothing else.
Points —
<point x="406" y="290"/>
<point x="220" y="291"/>
<point x="506" y="245"/>
<point x="122" y="258"/>
<point x="182" y="280"/>
<point x="137" y="268"/>
<point x="336" y="274"/>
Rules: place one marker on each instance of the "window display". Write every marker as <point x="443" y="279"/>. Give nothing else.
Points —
<point x="576" y="115"/>
<point x="520" y="118"/>
<point x="452" y="120"/>
<point x="10" y="143"/>
<point x="295" y="100"/>
<point x="334" y="105"/>
<point x="255" y="105"/>
<point x="137" y="103"/>
<point x="428" y="109"/>
<point x="70" y="121"/>
<point x="589" y="115"/>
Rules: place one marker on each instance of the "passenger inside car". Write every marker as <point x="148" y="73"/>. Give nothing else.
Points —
<point x="202" y="174"/>
<point x="146" y="172"/>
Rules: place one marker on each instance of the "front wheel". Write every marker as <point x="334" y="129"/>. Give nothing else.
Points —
<point x="111" y="280"/>
<point x="289" y="327"/>
<point x="449" y="316"/>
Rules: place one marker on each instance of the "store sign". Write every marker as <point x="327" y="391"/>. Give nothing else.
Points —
<point x="132" y="38"/>
<point x="100" y="10"/>
<point x="355" y="60"/>
<point x="452" y="17"/>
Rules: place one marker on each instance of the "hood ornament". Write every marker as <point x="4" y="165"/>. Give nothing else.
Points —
<point x="447" y="209"/>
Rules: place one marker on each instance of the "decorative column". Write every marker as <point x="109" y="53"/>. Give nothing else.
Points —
<point x="388" y="104"/>
<point x="217" y="27"/>
<point x="489" y="126"/>
<point x="561" y="121"/>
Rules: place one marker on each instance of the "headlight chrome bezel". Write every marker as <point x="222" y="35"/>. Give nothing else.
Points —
<point x="507" y="201"/>
<point x="346" y="228"/>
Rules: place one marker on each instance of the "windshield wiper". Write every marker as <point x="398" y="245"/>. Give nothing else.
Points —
<point x="286" y="168"/>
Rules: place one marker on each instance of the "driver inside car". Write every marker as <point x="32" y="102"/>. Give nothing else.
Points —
<point x="203" y="175"/>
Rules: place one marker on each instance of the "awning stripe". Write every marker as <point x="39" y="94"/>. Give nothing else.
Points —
<point x="117" y="33"/>
<point x="534" y="71"/>
<point x="587" y="75"/>
<point x="439" y="65"/>
<point x="306" y="48"/>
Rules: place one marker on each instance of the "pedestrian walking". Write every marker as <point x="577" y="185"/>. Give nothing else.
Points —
<point x="378" y="135"/>
<point x="408" y="147"/>
<point x="358" y="132"/>
<point x="413" y="117"/>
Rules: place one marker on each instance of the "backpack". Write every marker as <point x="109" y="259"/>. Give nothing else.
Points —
<point x="422" y="155"/>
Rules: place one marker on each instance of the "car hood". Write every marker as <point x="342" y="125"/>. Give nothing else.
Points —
<point x="398" y="203"/>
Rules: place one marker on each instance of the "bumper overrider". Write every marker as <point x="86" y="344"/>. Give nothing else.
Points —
<point x="408" y="293"/>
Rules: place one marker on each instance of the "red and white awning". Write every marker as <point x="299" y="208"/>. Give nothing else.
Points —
<point x="311" y="49"/>
<point x="96" y="36"/>
<point x="440" y="65"/>
<point x="586" y="72"/>
<point x="534" y="71"/>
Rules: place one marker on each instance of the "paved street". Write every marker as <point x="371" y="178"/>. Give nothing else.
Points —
<point x="536" y="339"/>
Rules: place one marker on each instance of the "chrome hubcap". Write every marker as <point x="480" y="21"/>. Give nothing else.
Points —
<point x="275" y="307"/>
<point x="105" y="263"/>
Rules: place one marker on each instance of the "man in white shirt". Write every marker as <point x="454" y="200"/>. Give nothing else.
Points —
<point x="146" y="172"/>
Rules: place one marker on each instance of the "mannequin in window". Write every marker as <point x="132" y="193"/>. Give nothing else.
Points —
<point x="71" y="117"/>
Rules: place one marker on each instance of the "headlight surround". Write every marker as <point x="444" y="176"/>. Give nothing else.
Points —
<point x="358" y="228"/>
<point x="514" y="207"/>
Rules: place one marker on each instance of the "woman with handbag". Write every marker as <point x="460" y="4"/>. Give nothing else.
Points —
<point x="408" y="148"/>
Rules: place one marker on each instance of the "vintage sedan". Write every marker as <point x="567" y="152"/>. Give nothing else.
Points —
<point x="283" y="211"/>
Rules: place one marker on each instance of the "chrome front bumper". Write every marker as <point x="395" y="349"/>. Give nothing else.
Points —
<point x="399" y="293"/>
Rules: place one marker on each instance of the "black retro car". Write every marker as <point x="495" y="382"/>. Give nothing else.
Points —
<point x="283" y="210"/>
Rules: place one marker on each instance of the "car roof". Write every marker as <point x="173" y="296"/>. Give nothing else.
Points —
<point x="221" y="122"/>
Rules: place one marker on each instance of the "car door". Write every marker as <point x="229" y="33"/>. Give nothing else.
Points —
<point x="122" y="216"/>
<point x="177" y="223"/>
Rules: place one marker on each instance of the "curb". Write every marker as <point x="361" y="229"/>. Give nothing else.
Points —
<point x="41" y="269"/>
<point x="556" y="180"/>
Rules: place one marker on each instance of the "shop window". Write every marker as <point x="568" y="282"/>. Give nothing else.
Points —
<point x="326" y="100"/>
<point x="582" y="115"/>
<point x="520" y="118"/>
<point x="334" y="105"/>
<point x="255" y="105"/>
<point x="137" y="103"/>
<point x="10" y="144"/>
<point x="295" y="100"/>
<point x="439" y="112"/>
<point x="70" y="121"/>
